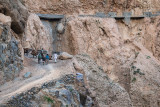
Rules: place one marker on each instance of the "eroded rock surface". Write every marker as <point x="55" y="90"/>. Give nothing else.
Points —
<point x="13" y="16"/>
<point x="16" y="10"/>
<point x="36" y="35"/>
<point x="65" y="56"/>
<point x="89" y="91"/>
<point x="137" y="7"/>
<point x="60" y="93"/>
<point x="10" y="55"/>
<point x="102" y="41"/>
<point x="101" y="86"/>
<point x="114" y="47"/>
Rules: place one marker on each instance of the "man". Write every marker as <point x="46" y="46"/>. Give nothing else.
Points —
<point x="42" y="51"/>
<point x="39" y="58"/>
<point x="47" y="59"/>
<point x="55" y="57"/>
<point x="26" y="51"/>
<point x="43" y="58"/>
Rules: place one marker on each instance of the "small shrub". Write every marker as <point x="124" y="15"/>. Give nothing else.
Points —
<point x="148" y="57"/>
<point x="134" y="79"/>
<point x="133" y="67"/>
<point x="48" y="99"/>
<point x="137" y="71"/>
<point x="71" y="90"/>
<point x="141" y="73"/>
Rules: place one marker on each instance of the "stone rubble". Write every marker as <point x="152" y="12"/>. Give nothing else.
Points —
<point x="65" y="56"/>
<point x="58" y="93"/>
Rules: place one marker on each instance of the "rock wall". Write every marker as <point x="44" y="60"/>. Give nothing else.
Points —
<point x="126" y="52"/>
<point x="59" y="93"/>
<point x="145" y="31"/>
<point x="10" y="54"/>
<point x="37" y="36"/>
<point x="116" y="47"/>
<point x="12" y="24"/>
<point x="102" y="41"/>
<point x="106" y="91"/>
<point x="145" y="79"/>
<point x="137" y="7"/>
<point x="16" y="10"/>
<point x="151" y="35"/>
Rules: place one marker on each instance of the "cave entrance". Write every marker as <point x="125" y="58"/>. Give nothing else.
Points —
<point x="50" y="22"/>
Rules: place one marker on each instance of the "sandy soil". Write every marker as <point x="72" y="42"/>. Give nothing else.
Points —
<point x="40" y="74"/>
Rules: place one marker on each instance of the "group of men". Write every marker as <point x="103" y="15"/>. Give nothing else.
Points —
<point x="45" y="58"/>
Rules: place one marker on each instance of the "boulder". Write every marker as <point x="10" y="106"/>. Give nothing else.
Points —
<point x="60" y="28"/>
<point x="5" y="19"/>
<point x="79" y="76"/>
<point x="36" y="31"/>
<point x="65" y="55"/>
<point x="27" y="74"/>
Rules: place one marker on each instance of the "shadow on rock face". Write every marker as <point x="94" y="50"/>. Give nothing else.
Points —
<point x="17" y="12"/>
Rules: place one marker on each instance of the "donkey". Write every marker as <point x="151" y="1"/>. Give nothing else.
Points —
<point x="34" y="53"/>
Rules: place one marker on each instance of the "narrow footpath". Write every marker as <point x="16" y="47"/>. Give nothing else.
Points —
<point x="40" y="74"/>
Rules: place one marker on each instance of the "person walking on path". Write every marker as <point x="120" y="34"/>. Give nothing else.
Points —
<point x="47" y="59"/>
<point x="55" y="57"/>
<point x="42" y="51"/>
<point x="43" y="58"/>
<point x="39" y="58"/>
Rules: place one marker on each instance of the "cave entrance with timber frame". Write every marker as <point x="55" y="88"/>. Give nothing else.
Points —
<point x="50" y="22"/>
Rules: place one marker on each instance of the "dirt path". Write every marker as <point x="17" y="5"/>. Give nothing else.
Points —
<point x="40" y="74"/>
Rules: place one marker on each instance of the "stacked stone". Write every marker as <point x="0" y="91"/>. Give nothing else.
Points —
<point x="10" y="55"/>
<point x="64" y="92"/>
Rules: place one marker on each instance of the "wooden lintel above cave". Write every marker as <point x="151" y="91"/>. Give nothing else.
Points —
<point x="50" y="16"/>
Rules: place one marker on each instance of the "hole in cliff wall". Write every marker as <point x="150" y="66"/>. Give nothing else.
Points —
<point x="18" y="26"/>
<point x="50" y="22"/>
<point x="51" y="27"/>
<point x="4" y="10"/>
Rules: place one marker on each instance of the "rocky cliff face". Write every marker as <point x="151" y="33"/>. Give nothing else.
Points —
<point x="137" y="7"/>
<point x="145" y="31"/>
<point x="18" y="13"/>
<point x="10" y="53"/>
<point x="12" y="24"/>
<point x="102" y="41"/>
<point x="106" y="91"/>
<point x="121" y="50"/>
<point x="36" y="35"/>
<point x="93" y="89"/>
<point x="61" y="93"/>
<point x="128" y="53"/>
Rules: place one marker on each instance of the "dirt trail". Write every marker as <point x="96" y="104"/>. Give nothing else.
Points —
<point x="40" y="74"/>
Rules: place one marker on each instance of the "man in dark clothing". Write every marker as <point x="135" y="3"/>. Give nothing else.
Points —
<point x="43" y="58"/>
<point x="39" y="58"/>
<point x="47" y="59"/>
